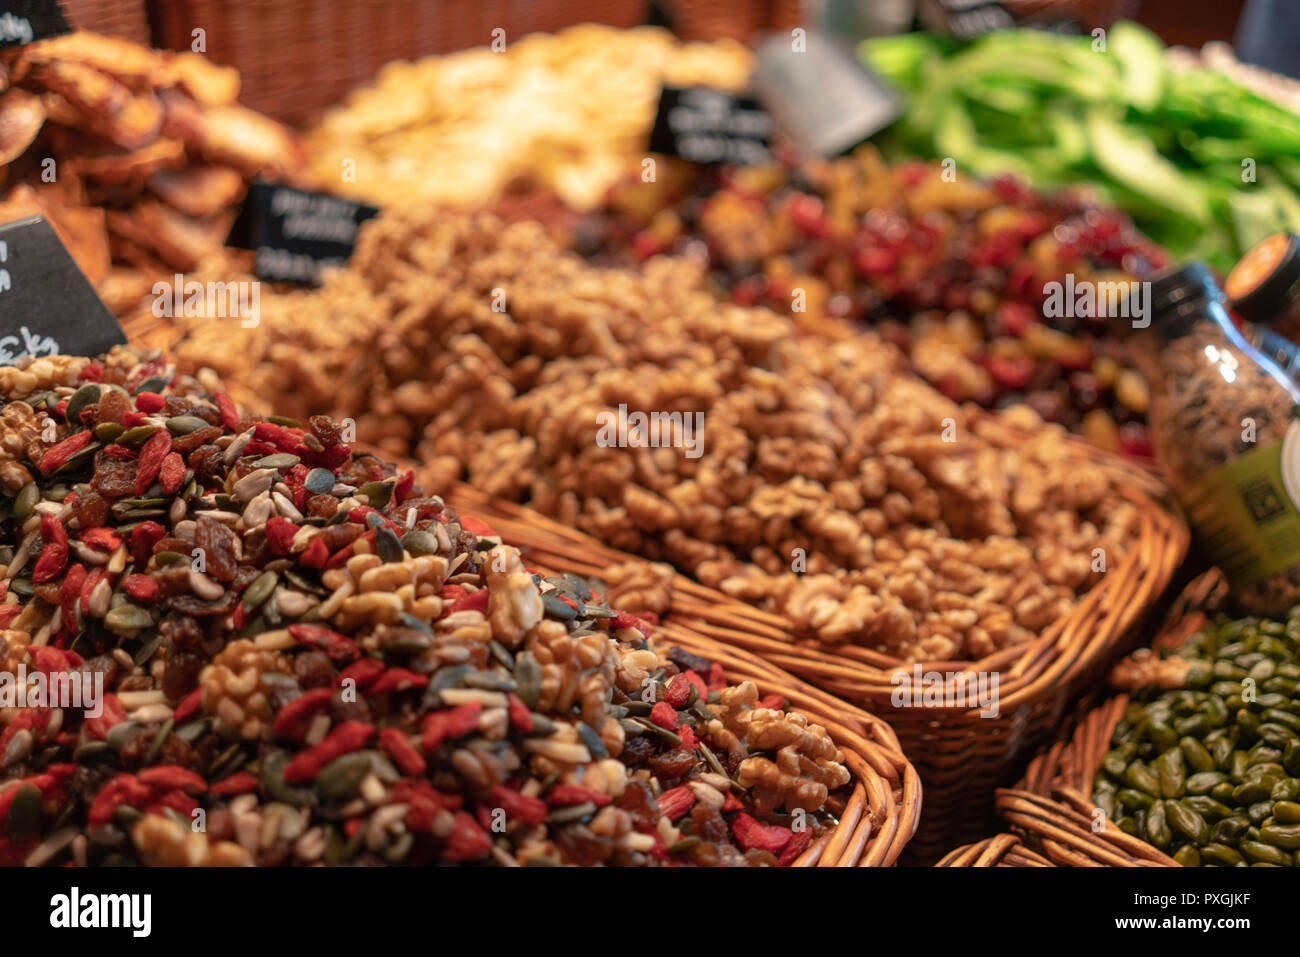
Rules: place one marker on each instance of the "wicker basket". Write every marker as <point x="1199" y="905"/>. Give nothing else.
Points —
<point x="1003" y="850"/>
<point x="961" y="756"/>
<point x="883" y="814"/>
<point x="298" y="56"/>
<point x="119" y="18"/>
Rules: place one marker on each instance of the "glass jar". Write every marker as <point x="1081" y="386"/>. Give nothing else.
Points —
<point x="1223" y="425"/>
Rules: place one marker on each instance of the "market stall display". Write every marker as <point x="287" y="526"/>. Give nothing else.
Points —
<point x="1205" y="166"/>
<point x="224" y="579"/>
<point x="138" y="157"/>
<point x="566" y="112"/>
<point x="958" y="273"/>
<point x="884" y="523"/>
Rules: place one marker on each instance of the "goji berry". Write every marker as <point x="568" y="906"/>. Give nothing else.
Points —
<point x="441" y="725"/>
<point x="479" y="527"/>
<point x="627" y="620"/>
<point x="337" y="647"/>
<point x="518" y="806"/>
<point x="111" y="715"/>
<point x="96" y="575"/>
<point x="279" y="535"/>
<point x="284" y="439"/>
<point x="143" y="538"/>
<point x="58" y="456"/>
<point x="229" y="413"/>
<point x="171" y="776"/>
<point x="750" y="834"/>
<point x="69" y="592"/>
<point x="151" y="458"/>
<point x="397" y="679"/>
<point x="142" y="588"/>
<point x="103" y="539"/>
<point x="773" y="702"/>
<point x="8" y="613"/>
<point x="54" y="550"/>
<point x="149" y="402"/>
<point x="665" y="715"/>
<point x="293" y="720"/>
<point x="316" y="554"/>
<point x="689" y="741"/>
<point x="94" y="372"/>
<point x="403" y="753"/>
<point x="344" y="739"/>
<point x="172" y="473"/>
<point x="474" y="601"/>
<point x="467" y="839"/>
<point x="241" y="782"/>
<point x="362" y="672"/>
<point x="732" y="803"/>
<point x="675" y="802"/>
<point x="188" y="707"/>
<point x="521" y="719"/>
<point x="404" y="486"/>
<point x="717" y="677"/>
<point x="571" y="795"/>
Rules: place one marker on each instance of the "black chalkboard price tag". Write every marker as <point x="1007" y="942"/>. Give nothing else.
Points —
<point x="26" y="21"/>
<point x="47" y="305"/>
<point x="704" y="125"/>
<point x="297" y="234"/>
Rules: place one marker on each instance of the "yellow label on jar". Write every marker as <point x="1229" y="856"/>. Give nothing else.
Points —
<point x="1246" y="513"/>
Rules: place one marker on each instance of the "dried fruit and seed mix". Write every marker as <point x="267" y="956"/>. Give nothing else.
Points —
<point x="151" y="155"/>
<point x="305" y="659"/>
<point x="826" y="483"/>
<point x="956" y="272"/>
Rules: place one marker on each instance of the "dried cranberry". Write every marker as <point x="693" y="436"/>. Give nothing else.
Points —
<point x="186" y="444"/>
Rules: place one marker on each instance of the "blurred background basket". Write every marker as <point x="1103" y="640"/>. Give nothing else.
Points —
<point x="119" y="18"/>
<point x="298" y="56"/>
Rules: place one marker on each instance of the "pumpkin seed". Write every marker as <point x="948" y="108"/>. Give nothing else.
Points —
<point x="277" y="460"/>
<point x="88" y="394"/>
<point x="387" y="545"/>
<point x="127" y="619"/>
<point x="260" y="590"/>
<point x="25" y="503"/>
<point x="419" y="542"/>
<point x="341" y="778"/>
<point x="377" y="493"/>
<point x="528" y="678"/>
<point x="319" y="481"/>
<point x="185" y="424"/>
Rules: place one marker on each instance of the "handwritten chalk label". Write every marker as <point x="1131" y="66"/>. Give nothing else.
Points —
<point x="47" y="305"/>
<point x="26" y="21"/>
<point x="823" y="98"/>
<point x="297" y="234"/>
<point x="705" y="125"/>
<point x="968" y="19"/>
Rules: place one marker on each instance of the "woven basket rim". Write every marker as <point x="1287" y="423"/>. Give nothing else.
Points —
<point x="1028" y="672"/>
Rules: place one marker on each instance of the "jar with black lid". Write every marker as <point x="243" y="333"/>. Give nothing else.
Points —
<point x="1264" y="289"/>
<point x="1223" y="425"/>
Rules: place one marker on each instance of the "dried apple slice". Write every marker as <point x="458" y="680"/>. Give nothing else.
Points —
<point x="21" y="117"/>
<point x="199" y="190"/>
<point x="205" y="81"/>
<point x="248" y="141"/>
<point x="130" y="62"/>
<point x="113" y="166"/>
<point x="105" y="105"/>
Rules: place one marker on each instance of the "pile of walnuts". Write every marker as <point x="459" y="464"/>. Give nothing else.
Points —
<point x="825" y="482"/>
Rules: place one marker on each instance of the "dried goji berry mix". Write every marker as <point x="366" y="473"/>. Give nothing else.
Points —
<point x="305" y="659"/>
